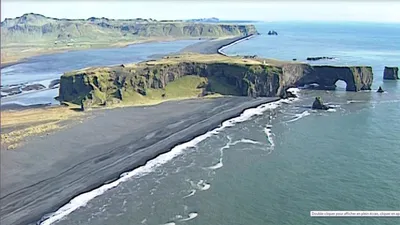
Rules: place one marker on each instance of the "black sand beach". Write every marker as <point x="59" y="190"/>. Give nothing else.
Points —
<point x="212" y="46"/>
<point x="46" y="172"/>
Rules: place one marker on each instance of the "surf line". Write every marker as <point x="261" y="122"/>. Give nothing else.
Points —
<point x="82" y="199"/>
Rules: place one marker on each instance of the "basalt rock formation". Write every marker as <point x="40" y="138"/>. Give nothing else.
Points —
<point x="318" y="104"/>
<point x="272" y="32"/>
<point x="356" y="77"/>
<point x="224" y="75"/>
<point x="391" y="73"/>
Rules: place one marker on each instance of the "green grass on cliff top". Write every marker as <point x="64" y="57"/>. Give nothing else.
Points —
<point x="188" y="57"/>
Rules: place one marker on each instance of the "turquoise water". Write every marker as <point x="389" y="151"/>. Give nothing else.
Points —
<point x="279" y="165"/>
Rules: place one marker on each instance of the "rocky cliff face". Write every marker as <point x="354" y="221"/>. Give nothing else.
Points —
<point x="391" y="73"/>
<point x="356" y="77"/>
<point x="244" y="78"/>
<point x="38" y="28"/>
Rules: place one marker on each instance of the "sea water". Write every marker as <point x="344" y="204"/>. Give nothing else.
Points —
<point x="276" y="163"/>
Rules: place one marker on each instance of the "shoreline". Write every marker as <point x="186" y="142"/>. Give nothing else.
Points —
<point x="245" y="38"/>
<point x="39" y="188"/>
<point x="23" y="59"/>
<point x="31" y="191"/>
<point x="207" y="46"/>
<point x="125" y="44"/>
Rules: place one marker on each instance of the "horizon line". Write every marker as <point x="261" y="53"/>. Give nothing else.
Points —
<point x="221" y="19"/>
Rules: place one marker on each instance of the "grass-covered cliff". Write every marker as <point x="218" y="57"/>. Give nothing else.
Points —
<point x="35" y="28"/>
<point x="193" y="75"/>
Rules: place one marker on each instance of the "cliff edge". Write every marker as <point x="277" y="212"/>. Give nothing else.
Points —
<point x="391" y="73"/>
<point x="215" y="73"/>
<point x="35" y="28"/>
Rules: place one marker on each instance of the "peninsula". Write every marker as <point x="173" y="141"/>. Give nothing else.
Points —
<point x="239" y="76"/>
<point x="44" y="171"/>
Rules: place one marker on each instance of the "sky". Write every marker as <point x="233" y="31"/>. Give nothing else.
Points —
<point x="368" y="11"/>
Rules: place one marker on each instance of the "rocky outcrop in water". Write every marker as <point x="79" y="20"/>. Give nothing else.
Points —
<point x="225" y="75"/>
<point x="356" y="77"/>
<point x="272" y="32"/>
<point x="19" y="89"/>
<point x="391" y="73"/>
<point x="33" y="87"/>
<point x="380" y="90"/>
<point x="54" y="83"/>
<point x="318" y="104"/>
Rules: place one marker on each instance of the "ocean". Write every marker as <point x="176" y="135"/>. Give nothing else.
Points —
<point x="276" y="163"/>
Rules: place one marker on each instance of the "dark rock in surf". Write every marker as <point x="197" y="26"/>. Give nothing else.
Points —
<point x="318" y="104"/>
<point x="54" y="83"/>
<point x="11" y="91"/>
<point x="391" y="73"/>
<point x="288" y="94"/>
<point x="272" y="32"/>
<point x="82" y="106"/>
<point x="380" y="90"/>
<point x="33" y="87"/>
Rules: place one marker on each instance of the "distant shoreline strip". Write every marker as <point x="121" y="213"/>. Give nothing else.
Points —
<point x="245" y="38"/>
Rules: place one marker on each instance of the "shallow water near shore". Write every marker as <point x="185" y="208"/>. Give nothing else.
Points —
<point x="276" y="167"/>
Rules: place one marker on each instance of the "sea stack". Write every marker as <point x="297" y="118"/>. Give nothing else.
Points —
<point x="318" y="104"/>
<point x="391" y="73"/>
<point x="380" y="90"/>
<point x="272" y="32"/>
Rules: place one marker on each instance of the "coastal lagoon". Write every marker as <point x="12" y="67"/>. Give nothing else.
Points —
<point x="43" y="69"/>
<point x="276" y="163"/>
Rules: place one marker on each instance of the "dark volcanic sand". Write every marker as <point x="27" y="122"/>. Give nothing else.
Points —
<point x="46" y="172"/>
<point x="210" y="46"/>
<point x="205" y="47"/>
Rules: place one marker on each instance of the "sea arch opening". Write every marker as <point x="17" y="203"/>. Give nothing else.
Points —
<point x="341" y="85"/>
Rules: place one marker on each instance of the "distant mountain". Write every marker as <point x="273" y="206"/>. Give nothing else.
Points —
<point x="205" y="20"/>
<point x="36" y="28"/>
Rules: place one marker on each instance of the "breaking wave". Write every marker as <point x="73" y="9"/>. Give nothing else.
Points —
<point x="81" y="200"/>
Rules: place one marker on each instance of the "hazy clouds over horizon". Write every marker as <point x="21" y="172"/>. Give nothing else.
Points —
<point x="229" y="10"/>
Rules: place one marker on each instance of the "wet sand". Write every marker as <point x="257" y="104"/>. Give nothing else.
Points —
<point x="46" y="172"/>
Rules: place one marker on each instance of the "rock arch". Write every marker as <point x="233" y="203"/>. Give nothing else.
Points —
<point x="356" y="78"/>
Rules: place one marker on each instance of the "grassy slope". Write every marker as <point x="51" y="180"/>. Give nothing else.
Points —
<point x="18" y="125"/>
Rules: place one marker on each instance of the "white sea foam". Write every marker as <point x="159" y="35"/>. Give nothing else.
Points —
<point x="170" y="223"/>
<point x="83" y="199"/>
<point x="269" y="134"/>
<point x="299" y="116"/>
<point x="190" y="217"/>
<point x="228" y="145"/>
<point x="192" y="192"/>
<point x="295" y="91"/>
<point x="205" y="187"/>
<point x="216" y="166"/>
<point x="331" y="110"/>
<point x="201" y="185"/>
